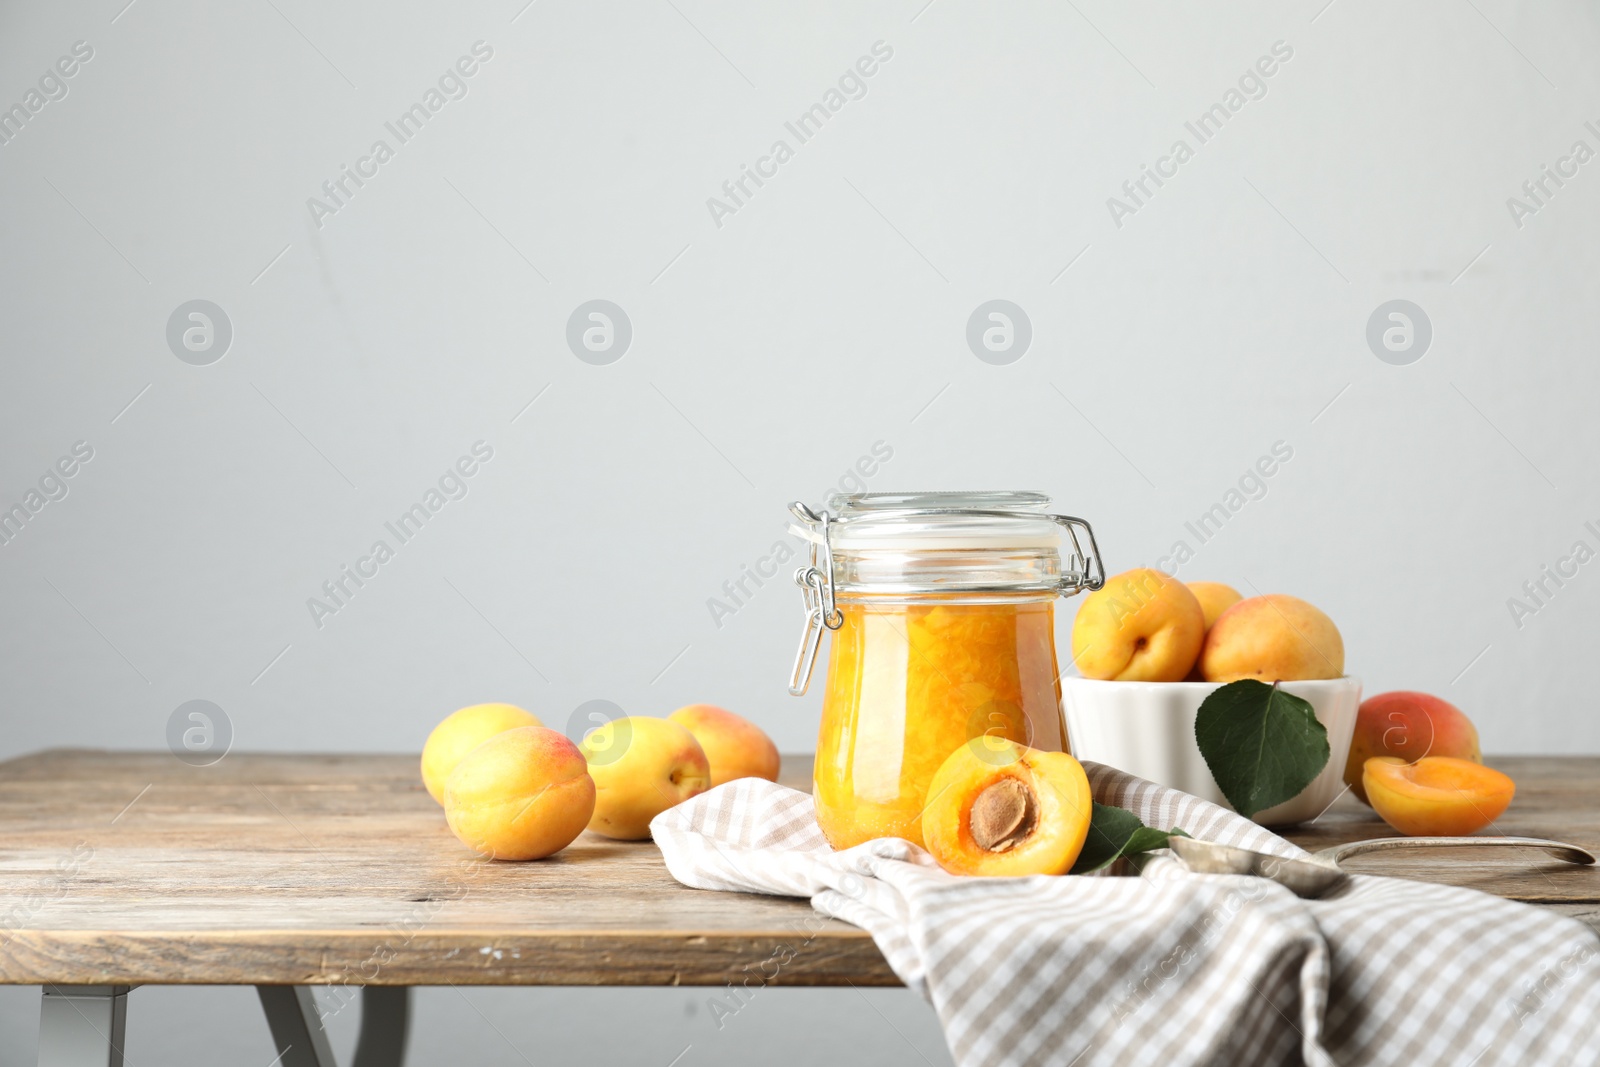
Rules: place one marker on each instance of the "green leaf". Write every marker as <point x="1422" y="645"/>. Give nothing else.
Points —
<point x="1263" y="745"/>
<point x="1116" y="832"/>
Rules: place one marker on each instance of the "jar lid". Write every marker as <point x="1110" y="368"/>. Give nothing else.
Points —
<point x="931" y="521"/>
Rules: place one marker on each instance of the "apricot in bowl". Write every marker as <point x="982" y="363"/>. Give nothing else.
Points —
<point x="1215" y="598"/>
<point x="1141" y="626"/>
<point x="1001" y="809"/>
<point x="1273" y="638"/>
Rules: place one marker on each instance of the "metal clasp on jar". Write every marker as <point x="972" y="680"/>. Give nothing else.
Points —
<point x="816" y="586"/>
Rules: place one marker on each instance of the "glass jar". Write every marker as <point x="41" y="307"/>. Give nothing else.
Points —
<point x="942" y="607"/>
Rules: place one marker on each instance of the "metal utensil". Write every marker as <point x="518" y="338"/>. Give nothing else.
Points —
<point x="1314" y="875"/>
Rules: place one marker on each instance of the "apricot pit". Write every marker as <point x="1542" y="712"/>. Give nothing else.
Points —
<point x="1004" y="815"/>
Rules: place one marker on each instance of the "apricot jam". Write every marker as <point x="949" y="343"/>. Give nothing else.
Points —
<point x="909" y="683"/>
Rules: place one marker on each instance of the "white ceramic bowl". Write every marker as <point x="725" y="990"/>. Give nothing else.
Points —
<point x="1147" y="729"/>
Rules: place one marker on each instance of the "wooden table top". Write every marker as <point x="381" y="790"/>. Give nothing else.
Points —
<point x="133" y="868"/>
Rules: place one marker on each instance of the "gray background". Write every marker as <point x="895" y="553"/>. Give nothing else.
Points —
<point x="768" y="355"/>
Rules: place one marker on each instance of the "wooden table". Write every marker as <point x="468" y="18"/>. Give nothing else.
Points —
<point x="288" y="871"/>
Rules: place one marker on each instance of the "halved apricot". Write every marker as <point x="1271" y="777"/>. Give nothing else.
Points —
<point x="999" y="808"/>
<point x="1437" y="795"/>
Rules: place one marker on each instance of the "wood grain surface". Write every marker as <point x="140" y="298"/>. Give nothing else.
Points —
<point x="129" y="868"/>
<point x="120" y="868"/>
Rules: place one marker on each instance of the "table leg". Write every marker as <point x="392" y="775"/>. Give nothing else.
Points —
<point x="82" y="1026"/>
<point x="296" y="1026"/>
<point x="385" y="1022"/>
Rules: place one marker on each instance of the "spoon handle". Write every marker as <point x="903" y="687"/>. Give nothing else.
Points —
<point x="1385" y="844"/>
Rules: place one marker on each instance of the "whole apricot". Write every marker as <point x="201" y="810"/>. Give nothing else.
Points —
<point x="1408" y="725"/>
<point x="523" y="794"/>
<point x="1141" y="626"/>
<point x="641" y="767"/>
<point x="1003" y="809"/>
<point x="1273" y="638"/>
<point x="734" y="746"/>
<point x="460" y="733"/>
<point x="1437" y="796"/>
<point x="1215" y="598"/>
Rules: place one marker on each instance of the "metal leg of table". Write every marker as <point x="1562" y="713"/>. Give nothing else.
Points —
<point x="296" y="1026"/>
<point x="82" y="1025"/>
<point x="385" y="1025"/>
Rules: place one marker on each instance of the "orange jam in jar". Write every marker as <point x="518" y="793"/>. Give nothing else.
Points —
<point x="942" y="607"/>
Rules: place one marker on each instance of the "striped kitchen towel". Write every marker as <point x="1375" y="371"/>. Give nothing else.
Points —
<point x="1171" y="967"/>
